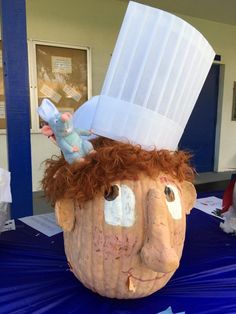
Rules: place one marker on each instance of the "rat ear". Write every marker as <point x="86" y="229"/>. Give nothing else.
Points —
<point x="47" y="110"/>
<point x="46" y="130"/>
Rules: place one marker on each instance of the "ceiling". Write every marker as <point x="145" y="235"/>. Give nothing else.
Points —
<point x="222" y="11"/>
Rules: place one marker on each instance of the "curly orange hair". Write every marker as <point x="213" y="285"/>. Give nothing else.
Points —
<point x="112" y="161"/>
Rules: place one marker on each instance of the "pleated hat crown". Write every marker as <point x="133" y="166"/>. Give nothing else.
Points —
<point x="156" y="72"/>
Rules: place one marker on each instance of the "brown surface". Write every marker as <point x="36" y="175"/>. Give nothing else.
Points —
<point x="76" y="79"/>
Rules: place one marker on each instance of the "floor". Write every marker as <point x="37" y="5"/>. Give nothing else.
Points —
<point x="204" y="182"/>
<point x="40" y="204"/>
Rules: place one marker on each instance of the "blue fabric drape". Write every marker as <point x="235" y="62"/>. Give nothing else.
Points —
<point x="35" y="277"/>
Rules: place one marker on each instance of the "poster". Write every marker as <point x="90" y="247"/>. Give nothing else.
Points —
<point x="71" y="92"/>
<point x="50" y="93"/>
<point x="61" y="65"/>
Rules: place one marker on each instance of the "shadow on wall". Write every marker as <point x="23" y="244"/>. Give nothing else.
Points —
<point x="40" y="204"/>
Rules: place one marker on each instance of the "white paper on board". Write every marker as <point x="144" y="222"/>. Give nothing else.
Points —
<point x="71" y="92"/>
<point x="61" y="65"/>
<point x="2" y="110"/>
<point x="50" y="93"/>
<point x="45" y="223"/>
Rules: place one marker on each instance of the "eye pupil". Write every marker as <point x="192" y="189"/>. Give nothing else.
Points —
<point x="170" y="195"/>
<point x="112" y="193"/>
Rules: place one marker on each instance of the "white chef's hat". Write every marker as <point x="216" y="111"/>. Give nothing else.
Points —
<point x="157" y="70"/>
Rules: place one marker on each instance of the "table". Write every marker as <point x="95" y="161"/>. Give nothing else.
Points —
<point x="35" y="277"/>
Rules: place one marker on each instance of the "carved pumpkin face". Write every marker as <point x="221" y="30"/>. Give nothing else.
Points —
<point x="128" y="242"/>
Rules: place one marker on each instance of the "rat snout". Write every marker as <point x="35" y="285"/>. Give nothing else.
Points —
<point x="65" y="117"/>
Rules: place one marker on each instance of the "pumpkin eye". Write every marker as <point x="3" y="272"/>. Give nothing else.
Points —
<point x="170" y="195"/>
<point x="173" y="201"/>
<point x="119" y="206"/>
<point x="112" y="193"/>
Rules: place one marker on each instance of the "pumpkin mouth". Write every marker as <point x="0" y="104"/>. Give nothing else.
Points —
<point x="131" y="279"/>
<point x="130" y="274"/>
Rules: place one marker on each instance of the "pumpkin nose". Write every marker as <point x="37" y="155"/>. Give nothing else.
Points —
<point x="159" y="258"/>
<point x="157" y="252"/>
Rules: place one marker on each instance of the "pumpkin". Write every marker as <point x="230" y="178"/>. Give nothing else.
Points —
<point x="126" y="240"/>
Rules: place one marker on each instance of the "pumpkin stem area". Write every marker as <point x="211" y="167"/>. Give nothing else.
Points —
<point x="82" y="181"/>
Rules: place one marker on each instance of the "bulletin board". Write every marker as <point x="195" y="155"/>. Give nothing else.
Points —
<point x="2" y="97"/>
<point x="62" y="76"/>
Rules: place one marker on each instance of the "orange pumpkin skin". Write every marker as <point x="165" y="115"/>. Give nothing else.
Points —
<point x="127" y="262"/>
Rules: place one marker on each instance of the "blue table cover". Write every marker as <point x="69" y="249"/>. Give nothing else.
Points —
<point x="35" y="277"/>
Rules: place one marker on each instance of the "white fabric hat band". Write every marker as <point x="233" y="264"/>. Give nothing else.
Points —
<point x="114" y="117"/>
